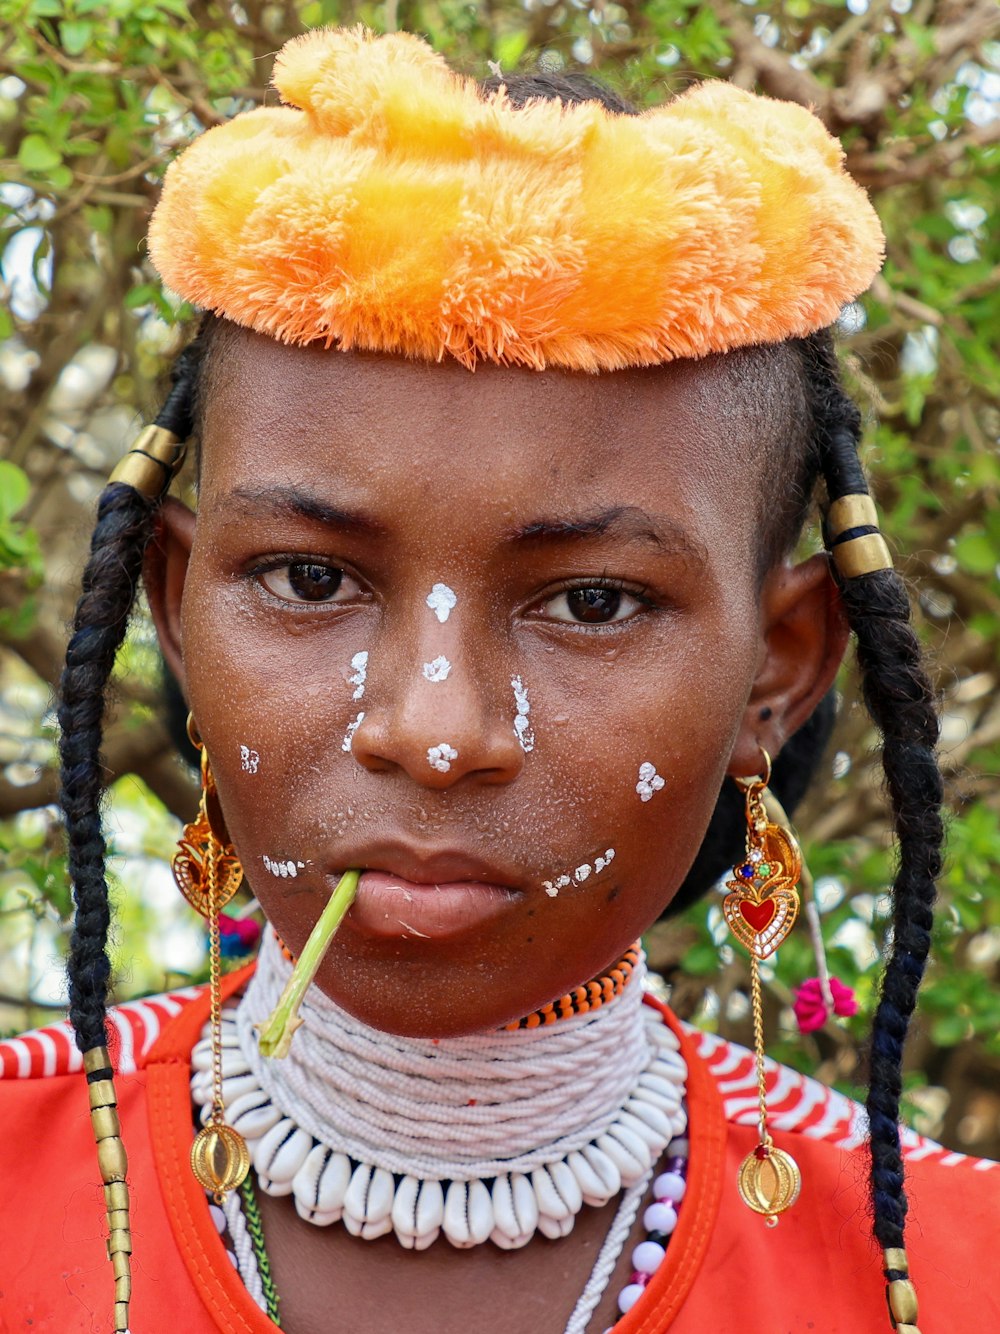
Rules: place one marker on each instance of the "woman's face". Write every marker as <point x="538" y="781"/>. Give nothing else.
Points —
<point x="497" y="637"/>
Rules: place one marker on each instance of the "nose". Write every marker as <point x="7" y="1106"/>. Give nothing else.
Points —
<point x="440" y="718"/>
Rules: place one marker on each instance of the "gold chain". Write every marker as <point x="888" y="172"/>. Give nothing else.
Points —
<point x="215" y="983"/>
<point x="757" y="1006"/>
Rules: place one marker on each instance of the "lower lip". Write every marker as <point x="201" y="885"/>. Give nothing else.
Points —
<point x="390" y="907"/>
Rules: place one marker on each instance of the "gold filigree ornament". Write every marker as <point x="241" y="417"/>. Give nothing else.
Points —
<point x="200" y="851"/>
<point x="208" y="873"/>
<point x="760" y="910"/>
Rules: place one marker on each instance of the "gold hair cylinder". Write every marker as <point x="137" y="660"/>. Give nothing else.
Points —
<point x="152" y="463"/>
<point x="114" y="1166"/>
<point x="900" y="1292"/>
<point x="859" y="555"/>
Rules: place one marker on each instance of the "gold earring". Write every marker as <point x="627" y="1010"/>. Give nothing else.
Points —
<point x="760" y="910"/>
<point x="208" y="873"/>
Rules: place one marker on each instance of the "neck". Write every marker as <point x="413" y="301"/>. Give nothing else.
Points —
<point x="452" y="1107"/>
<point x="499" y="1133"/>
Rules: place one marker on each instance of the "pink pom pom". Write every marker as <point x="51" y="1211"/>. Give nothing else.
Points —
<point x="844" y="1002"/>
<point x="810" y="1007"/>
<point x="245" y="930"/>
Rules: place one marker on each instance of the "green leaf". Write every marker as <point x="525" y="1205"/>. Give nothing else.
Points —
<point x="977" y="553"/>
<point x="76" y="35"/>
<point x="37" y="154"/>
<point x="14" y="488"/>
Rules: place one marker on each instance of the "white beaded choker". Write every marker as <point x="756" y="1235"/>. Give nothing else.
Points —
<point x="488" y="1137"/>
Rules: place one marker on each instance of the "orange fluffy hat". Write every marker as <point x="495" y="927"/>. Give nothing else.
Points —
<point x="391" y="205"/>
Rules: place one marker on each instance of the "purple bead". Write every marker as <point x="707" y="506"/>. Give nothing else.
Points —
<point x="628" y="1297"/>
<point x="647" y="1257"/>
<point x="660" y="1218"/>
<point x="669" y="1186"/>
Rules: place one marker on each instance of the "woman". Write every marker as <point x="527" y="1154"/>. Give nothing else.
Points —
<point x="496" y="641"/>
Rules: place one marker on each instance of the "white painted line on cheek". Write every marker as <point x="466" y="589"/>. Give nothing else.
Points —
<point x="441" y="599"/>
<point x="249" y="760"/>
<point x="348" y="740"/>
<point x="522" y="727"/>
<point x="282" y="870"/>
<point x="582" y="873"/>
<point x="440" y="757"/>
<point x="649" y="781"/>
<point x="437" y="670"/>
<point x="360" y="664"/>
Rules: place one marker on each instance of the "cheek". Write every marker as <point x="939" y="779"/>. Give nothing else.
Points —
<point x="639" y="772"/>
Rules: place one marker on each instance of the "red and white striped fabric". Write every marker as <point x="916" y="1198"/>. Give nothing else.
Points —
<point x="133" y="1028"/>
<point x="802" y="1105"/>
<point x="796" y="1103"/>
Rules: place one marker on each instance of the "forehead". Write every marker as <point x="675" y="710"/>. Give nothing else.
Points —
<point x="687" y="438"/>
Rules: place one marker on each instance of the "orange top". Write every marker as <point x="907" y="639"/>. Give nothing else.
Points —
<point x="818" y="1271"/>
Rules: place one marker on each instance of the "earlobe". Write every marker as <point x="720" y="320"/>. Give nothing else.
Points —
<point x="803" y="635"/>
<point x="164" y="572"/>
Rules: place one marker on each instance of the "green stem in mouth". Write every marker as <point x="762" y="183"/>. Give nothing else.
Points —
<point x="277" y="1031"/>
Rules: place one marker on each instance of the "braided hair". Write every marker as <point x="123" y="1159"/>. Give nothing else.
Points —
<point x="110" y="582"/>
<point x="896" y="690"/>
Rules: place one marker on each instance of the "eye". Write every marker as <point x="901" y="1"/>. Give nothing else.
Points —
<point x="309" y="581"/>
<point x="593" y="604"/>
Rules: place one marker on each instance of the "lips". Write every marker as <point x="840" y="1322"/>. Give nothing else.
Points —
<point x="404" y="896"/>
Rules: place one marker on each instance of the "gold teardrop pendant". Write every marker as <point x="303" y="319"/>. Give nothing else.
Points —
<point x="769" y="1181"/>
<point x="220" y="1158"/>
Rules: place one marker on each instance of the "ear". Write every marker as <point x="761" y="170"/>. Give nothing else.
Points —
<point x="164" y="572"/>
<point x="803" y="635"/>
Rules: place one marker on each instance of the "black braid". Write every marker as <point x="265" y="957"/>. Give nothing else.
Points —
<point x="124" y="526"/>
<point x="900" y="699"/>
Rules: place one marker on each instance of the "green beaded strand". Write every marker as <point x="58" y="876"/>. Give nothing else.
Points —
<point x="255" y="1227"/>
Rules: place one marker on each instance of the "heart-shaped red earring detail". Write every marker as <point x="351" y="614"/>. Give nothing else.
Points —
<point x="760" y="910"/>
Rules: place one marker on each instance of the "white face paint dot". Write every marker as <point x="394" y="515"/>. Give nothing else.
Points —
<point x="649" y="781"/>
<point x="437" y="670"/>
<point x="281" y="870"/>
<point x="348" y="740"/>
<point x="581" y="873"/>
<point x="441" y="599"/>
<point x="522" y="727"/>
<point x="357" y="679"/>
<point x="249" y="760"/>
<point x="440" y="757"/>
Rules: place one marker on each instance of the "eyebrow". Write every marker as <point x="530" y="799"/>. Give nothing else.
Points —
<point x="294" y="503"/>
<point x="628" y="522"/>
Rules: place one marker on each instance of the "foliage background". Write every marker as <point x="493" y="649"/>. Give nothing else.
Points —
<point x="95" y="95"/>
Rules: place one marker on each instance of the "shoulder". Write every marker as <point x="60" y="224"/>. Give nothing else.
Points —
<point x="133" y="1028"/>
<point x="800" y="1105"/>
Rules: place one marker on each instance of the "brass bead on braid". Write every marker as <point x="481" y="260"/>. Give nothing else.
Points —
<point x="152" y="463"/>
<point x="900" y="1292"/>
<point x="853" y="537"/>
<point x="114" y="1166"/>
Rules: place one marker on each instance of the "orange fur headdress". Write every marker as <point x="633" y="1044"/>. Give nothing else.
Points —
<point x="394" y="207"/>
